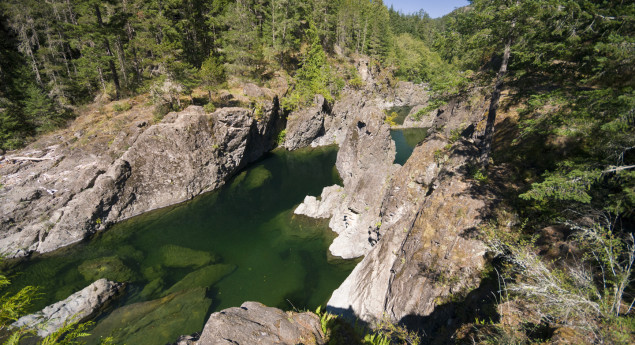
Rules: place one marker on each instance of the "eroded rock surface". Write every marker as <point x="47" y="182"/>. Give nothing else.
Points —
<point x="80" y="306"/>
<point x="427" y="250"/>
<point x="255" y="323"/>
<point x="66" y="195"/>
<point x="365" y="163"/>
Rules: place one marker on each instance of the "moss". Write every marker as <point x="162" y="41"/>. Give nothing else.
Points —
<point x="153" y="272"/>
<point x="110" y="267"/>
<point x="152" y="289"/>
<point x="204" y="277"/>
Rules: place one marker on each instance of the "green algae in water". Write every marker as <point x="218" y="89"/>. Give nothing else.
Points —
<point x="405" y="141"/>
<point x="269" y="254"/>
<point x="111" y="268"/>
<point x="154" y="321"/>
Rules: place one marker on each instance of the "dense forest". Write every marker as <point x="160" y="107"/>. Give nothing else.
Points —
<point x="565" y="66"/>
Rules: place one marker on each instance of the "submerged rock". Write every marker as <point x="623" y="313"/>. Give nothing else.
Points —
<point x="204" y="277"/>
<point x="177" y="256"/>
<point x="158" y="321"/>
<point x="256" y="178"/>
<point x="255" y="323"/>
<point x="110" y="267"/>
<point x="80" y="306"/>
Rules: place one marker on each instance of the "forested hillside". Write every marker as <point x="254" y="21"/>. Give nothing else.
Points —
<point x="559" y="71"/>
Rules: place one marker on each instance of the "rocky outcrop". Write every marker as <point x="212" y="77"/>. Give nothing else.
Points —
<point x="78" y="307"/>
<point x="69" y="194"/>
<point x="427" y="251"/>
<point x="254" y="323"/>
<point x="406" y="93"/>
<point x="323" y="208"/>
<point x="459" y="113"/>
<point x="365" y="163"/>
<point x="304" y="125"/>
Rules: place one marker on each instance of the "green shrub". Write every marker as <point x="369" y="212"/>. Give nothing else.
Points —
<point x="281" y="137"/>
<point x="121" y="106"/>
<point x="209" y="107"/>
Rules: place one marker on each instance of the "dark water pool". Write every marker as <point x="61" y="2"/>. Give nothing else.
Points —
<point x="238" y="244"/>
<point x="405" y="141"/>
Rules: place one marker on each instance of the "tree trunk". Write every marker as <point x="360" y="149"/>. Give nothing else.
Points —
<point x="486" y="145"/>
<point x="111" y="63"/>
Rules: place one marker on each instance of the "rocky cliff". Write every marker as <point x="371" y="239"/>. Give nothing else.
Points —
<point x="415" y="223"/>
<point x="57" y="196"/>
<point x="426" y="252"/>
<point x="364" y="161"/>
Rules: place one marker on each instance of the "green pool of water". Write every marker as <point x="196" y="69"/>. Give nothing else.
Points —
<point x="240" y="243"/>
<point x="405" y="141"/>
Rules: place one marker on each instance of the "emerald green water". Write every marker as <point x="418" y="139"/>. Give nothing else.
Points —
<point x="240" y="243"/>
<point x="405" y="141"/>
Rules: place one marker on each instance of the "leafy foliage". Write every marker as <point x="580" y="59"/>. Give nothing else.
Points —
<point x="14" y="306"/>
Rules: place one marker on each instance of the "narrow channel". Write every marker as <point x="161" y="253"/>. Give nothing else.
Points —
<point x="406" y="139"/>
<point x="240" y="243"/>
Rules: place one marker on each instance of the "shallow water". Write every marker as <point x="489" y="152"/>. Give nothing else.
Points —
<point x="405" y="141"/>
<point x="241" y="243"/>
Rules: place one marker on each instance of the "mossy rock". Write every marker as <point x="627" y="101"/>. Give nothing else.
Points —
<point x="238" y="180"/>
<point x="204" y="277"/>
<point x="110" y="267"/>
<point x="129" y="252"/>
<point x="257" y="177"/>
<point x="159" y="321"/>
<point x="153" y="272"/>
<point x="179" y="257"/>
<point x="152" y="289"/>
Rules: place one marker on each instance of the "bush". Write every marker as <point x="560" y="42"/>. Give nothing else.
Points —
<point x="585" y="292"/>
<point x="14" y="306"/>
<point x="209" y="107"/>
<point x="281" y="137"/>
<point x="121" y="106"/>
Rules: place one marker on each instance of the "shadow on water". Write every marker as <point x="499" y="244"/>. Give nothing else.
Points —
<point x="240" y="243"/>
<point x="405" y="142"/>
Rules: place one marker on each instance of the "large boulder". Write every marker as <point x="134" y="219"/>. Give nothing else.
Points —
<point x="80" y="306"/>
<point x="65" y="195"/>
<point x="255" y="323"/>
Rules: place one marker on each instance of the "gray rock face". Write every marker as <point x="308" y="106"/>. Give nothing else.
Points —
<point x="424" y="120"/>
<point x="406" y="93"/>
<point x="254" y="323"/>
<point x="70" y="194"/>
<point x="323" y="208"/>
<point x="364" y="162"/>
<point x="304" y="125"/>
<point x="426" y="251"/>
<point x="455" y="115"/>
<point x="82" y="306"/>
